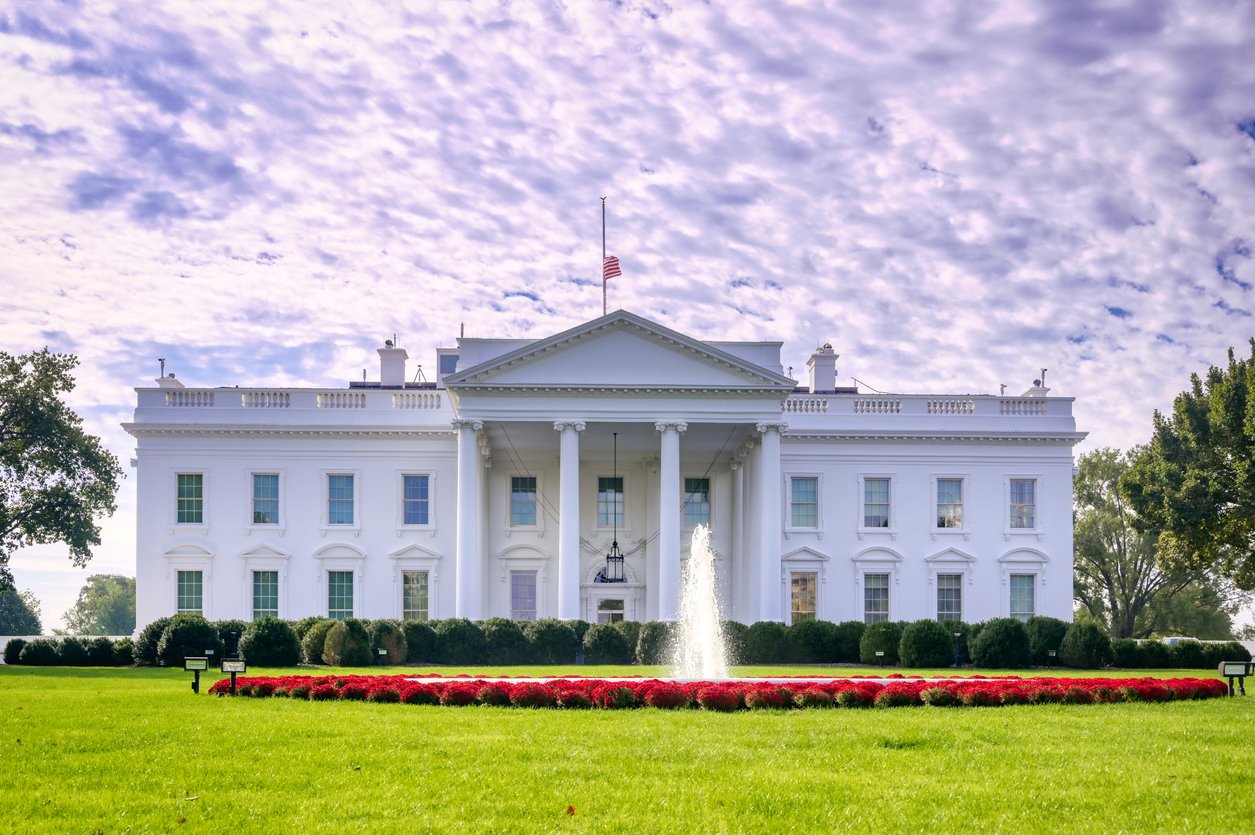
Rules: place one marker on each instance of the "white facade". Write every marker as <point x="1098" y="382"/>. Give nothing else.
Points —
<point x="491" y="492"/>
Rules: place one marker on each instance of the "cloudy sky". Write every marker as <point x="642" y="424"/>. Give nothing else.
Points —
<point x="955" y="194"/>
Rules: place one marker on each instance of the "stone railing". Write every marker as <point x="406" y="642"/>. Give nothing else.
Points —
<point x="189" y="397"/>
<point x="877" y="405"/>
<point x="417" y="400"/>
<point x="341" y="400"/>
<point x="966" y="408"/>
<point x="803" y="404"/>
<point x="1022" y="407"/>
<point x="266" y="399"/>
<point x="951" y="406"/>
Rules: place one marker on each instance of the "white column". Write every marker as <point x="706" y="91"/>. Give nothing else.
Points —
<point x="736" y="563"/>
<point x="769" y="529"/>
<point x="468" y="576"/>
<point x="669" y="521"/>
<point x="568" y="518"/>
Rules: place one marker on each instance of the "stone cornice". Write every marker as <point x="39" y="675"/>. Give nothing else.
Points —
<point x="1061" y="438"/>
<point x="151" y="429"/>
<point x="762" y="392"/>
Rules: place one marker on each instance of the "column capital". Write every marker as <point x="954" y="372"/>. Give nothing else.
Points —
<point x="764" y="428"/>
<point x="467" y="423"/>
<point x="560" y="425"/>
<point x="677" y="425"/>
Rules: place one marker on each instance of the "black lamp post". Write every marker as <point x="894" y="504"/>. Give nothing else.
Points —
<point x="958" y="652"/>
<point x="613" y="572"/>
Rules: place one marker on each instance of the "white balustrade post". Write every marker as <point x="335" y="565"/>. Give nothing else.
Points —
<point x="669" y="520"/>
<point x="569" y="518"/>
<point x="769" y="529"/>
<point x="468" y="577"/>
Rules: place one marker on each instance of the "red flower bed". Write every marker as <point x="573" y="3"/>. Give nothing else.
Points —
<point x="575" y="693"/>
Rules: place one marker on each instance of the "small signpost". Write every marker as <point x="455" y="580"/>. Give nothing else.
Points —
<point x="196" y="665"/>
<point x="234" y="666"/>
<point x="382" y="654"/>
<point x="880" y="653"/>
<point x="1238" y="670"/>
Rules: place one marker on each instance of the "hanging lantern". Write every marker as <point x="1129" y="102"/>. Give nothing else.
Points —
<point x="613" y="572"/>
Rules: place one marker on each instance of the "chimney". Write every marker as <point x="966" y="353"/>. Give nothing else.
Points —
<point x="823" y="369"/>
<point x="392" y="366"/>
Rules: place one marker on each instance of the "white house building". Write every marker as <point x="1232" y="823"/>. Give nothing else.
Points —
<point x="499" y="489"/>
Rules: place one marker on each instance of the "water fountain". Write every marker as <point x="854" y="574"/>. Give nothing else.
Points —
<point x="698" y="647"/>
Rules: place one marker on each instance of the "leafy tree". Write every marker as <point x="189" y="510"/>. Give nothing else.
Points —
<point x="1193" y="486"/>
<point x="105" y="606"/>
<point x="19" y="613"/>
<point x="55" y="479"/>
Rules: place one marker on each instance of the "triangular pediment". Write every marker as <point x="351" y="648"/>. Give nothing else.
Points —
<point x="804" y="554"/>
<point x="264" y="551"/>
<point x="951" y="555"/>
<point x="620" y="350"/>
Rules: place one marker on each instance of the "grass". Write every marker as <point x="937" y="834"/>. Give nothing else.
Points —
<point x="116" y="750"/>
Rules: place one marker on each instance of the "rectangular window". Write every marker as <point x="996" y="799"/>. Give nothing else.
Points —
<point x="415" y="500"/>
<point x="414" y="595"/>
<point x="523" y="595"/>
<point x="803" y="595"/>
<point x="522" y="500"/>
<point x="1024" y="503"/>
<point x="609" y="501"/>
<point x="696" y="502"/>
<point x="875" y="598"/>
<point x="265" y="499"/>
<point x="191" y="503"/>
<point x="949" y="502"/>
<point x="610" y="611"/>
<point x="339" y="594"/>
<point x="804" y="502"/>
<point x="875" y="502"/>
<point x="191" y="593"/>
<point x="339" y="499"/>
<point x="1023" y="596"/>
<point x="949" y="597"/>
<point x="265" y="594"/>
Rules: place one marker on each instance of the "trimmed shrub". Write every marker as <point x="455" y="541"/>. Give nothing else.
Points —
<point x="531" y="694"/>
<point x="853" y="697"/>
<point x="653" y="645"/>
<point x="302" y="626"/>
<point x="100" y="652"/>
<point x="314" y="640"/>
<point x="146" y="644"/>
<point x="1186" y="654"/>
<point x="505" y="641"/>
<point x="458" y="641"/>
<point x="458" y="695"/>
<point x="420" y="641"/>
<point x="324" y="693"/>
<point x="1085" y="646"/>
<point x="761" y="698"/>
<point x="1124" y="653"/>
<point x="580" y="627"/>
<point x="187" y="636"/>
<point x="347" y="645"/>
<point x="551" y="641"/>
<point x="814" y="697"/>
<point x="72" y="652"/>
<point x="718" y="697"/>
<point x="41" y="652"/>
<point x="1002" y="642"/>
<point x="1045" y="634"/>
<point x="13" y="650"/>
<point x="493" y="695"/>
<point x="270" y="642"/>
<point x="667" y="696"/>
<point x="386" y="694"/>
<point x="926" y="643"/>
<point x="967" y="634"/>
<point x="631" y="632"/>
<point x="1216" y="653"/>
<point x="123" y="652"/>
<point x="230" y="633"/>
<point x="813" y="642"/>
<point x="388" y="636"/>
<point x="420" y="694"/>
<point x="884" y="636"/>
<point x="1153" y="654"/>
<point x="603" y="644"/>
<point x="734" y="639"/>
<point x="939" y="696"/>
<point x="766" y="642"/>
<point x="572" y="698"/>
<point x="847" y="637"/>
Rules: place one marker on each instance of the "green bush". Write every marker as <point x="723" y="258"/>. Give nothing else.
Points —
<point x="123" y="652"/>
<point x="1045" y="634"/>
<point x="603" y="644"/>
<point x="734" y="639"/>
<point x="420" y="641"/>
<point x="967" y="634"/>
<point x="885" y="637"/>
<point x="270" y="642"/>
<point x="580" y="627"/>
<point x="146" y="644"/>
<point x="1186" y="654"/>
<point x="1085" y="646"/>
<point x="458" y="641"/>
<point x="41" y="652"/>
<point x="100" y="652"/>
<point x="631" y="630"/>
<point x="72" y="652"/>
<point x="506" y="643"/>
<point x="926" y="643"/>
<point x="302" y="626"/>
<point x="551" y="641"/>
<point x="848" y="635"/>
<point x="347" y="644"/>
<point x="387" y="635"/>
<point x="1214" y="654"/>
<point x="315" y="639"/>
<point x="653" y="645"/>
<point x="1002" y="643"/>
<point x="13" y="651"/>
<point x="1153" y="654"/>
<point x="187" y="636"/>
<point x="766" y="642"/>
<point x="813" y="642"/>
<point x="230" y="633"/>
<point x="1124" y="653"/>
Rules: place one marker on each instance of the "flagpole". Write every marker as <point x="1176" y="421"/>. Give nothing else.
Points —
<point x="603" y="256"/>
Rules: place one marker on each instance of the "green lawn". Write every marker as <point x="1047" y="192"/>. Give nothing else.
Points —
<point x="83" y="750"/>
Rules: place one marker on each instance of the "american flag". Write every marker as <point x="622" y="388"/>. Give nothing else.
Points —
<point x="610" y="268"/>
